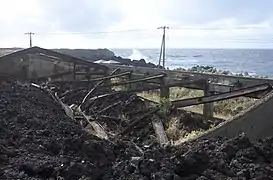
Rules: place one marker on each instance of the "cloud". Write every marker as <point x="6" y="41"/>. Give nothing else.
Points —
<point x="83" y="15"/>
<point x="194" y="23"/>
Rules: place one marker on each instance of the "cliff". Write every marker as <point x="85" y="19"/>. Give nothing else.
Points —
<point x="104" y="54"/>
<point x="88" y="54"/>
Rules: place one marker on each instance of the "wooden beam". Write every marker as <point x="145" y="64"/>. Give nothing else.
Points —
<point x="179" y="74"/>
<point x="90" y="73"/>
<point x="74" y="83"/>
<point x="154" y="87"/>
<point x="67" y="109"/>
<point x="223" y="96"/>
<point x="147" y="71"/>
<point x="160" y="132"/>
<point x="136" y="122"/>
<point x="110" y="76"/>
<point x="185" y="75"/>
<point x="137" y="80"/>
<point x="94" y="88"/>
<point x="219" y="88"/>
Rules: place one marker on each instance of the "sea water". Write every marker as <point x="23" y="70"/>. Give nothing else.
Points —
<point x="258" y="62"/>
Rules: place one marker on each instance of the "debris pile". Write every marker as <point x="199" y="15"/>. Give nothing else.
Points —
<point x="117" y="111"/>
<point x="128" y="114"/>
<point x="38" y="141"/>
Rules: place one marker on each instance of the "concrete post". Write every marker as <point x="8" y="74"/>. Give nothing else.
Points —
<point x="129" y="86"/>
<point x="74" y="71"/>
<point x="107" y="82"/>
<point x="87" y="76"/>
<point x="208" y="107"/>
<point x="164" y="91"/>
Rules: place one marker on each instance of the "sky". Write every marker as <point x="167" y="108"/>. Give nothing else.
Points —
<point x="133" y="23"/>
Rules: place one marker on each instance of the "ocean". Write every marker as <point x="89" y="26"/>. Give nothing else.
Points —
<point x="256" y="62"/>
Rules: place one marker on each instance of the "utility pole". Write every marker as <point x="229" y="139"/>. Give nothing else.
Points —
<point x="30" y="38"/>
<point x="163" y="47"/>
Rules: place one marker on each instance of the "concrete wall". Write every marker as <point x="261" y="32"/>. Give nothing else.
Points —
<point x="12" y="66"/>
<point x="35" y="67"/>
<point x="256" y="123"/>
<point x="43" y="68"/>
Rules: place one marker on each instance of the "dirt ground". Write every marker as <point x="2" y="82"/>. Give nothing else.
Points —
<point x="38" y="141"/>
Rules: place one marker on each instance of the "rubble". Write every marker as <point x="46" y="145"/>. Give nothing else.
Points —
<point x="38" y="141"/>
<point x="120" y="113"/>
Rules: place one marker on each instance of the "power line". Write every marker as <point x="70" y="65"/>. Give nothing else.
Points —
<point x="143" y="30"/>
<point x="252" y="40"/>
<point x="91" y="33"/>
<point x="217" y="28"/>
<point x="30" y="38"/>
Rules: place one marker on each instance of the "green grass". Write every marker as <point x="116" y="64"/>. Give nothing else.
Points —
<point x="222" y="109"/>
<point x="177" y="135"/>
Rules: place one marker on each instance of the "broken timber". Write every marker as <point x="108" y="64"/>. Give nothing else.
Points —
<point x="160" y="132"/>
<point x="95" y="125"/>
<point x="98" y="84"/>
<point x="223" y="96"/>
<point x="70" y="113"/>
<point x="138" y="80"/>
<point x="226" y="83"/>
<point x="136" y="121"/>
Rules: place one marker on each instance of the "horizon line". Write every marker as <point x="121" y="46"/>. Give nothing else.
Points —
<point x="127" y="48"/>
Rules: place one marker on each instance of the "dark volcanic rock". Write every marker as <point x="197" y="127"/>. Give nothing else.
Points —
<point x="37" y="141"/>
<point x="133" y="62"/>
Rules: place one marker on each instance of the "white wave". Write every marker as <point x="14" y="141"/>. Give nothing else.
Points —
<point x="253" y="74"/>
<point x="136" y="55"/>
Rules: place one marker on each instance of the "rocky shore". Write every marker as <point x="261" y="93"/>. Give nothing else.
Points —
<point x="213" y="70"/>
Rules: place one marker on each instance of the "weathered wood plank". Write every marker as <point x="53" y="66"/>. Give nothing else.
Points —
<point x="90" y="73"/>
<point x="160" y="132"/>
<point x="186" y="74"/>
<point x="137" y="80"/>
<point x="111" y="76"/>
<point x="223" y="96"/>
<point x="225" y="83"/>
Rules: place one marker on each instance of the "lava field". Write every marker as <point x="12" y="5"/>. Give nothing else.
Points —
<point x="38" y="141"/>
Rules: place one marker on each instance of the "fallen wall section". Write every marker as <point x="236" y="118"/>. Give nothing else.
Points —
<point x="256" y="122"/>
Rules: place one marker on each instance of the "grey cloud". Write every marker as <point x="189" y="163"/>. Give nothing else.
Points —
<point x="205" y="11"/>
<point x="81" y="15"/>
